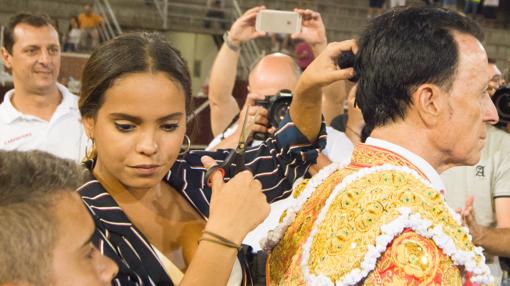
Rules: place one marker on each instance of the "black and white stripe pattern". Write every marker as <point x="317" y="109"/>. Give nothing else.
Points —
<point x="277" y="163"/>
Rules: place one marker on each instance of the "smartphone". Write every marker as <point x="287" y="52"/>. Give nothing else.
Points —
<point x="276" y="21"/>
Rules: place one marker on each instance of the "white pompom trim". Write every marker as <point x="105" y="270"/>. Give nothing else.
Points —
<point x="481" y="272"/>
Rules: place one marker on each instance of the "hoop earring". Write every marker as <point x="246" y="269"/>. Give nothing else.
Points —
<point x="186" y="146"/>
<point x="90" y="155"/>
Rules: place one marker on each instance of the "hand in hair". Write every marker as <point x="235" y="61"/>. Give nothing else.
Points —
<point x="305" y="109"/>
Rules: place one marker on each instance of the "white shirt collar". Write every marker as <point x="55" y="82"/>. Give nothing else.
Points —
<point x="420" y="163"/>
<point x="8" y="113"/>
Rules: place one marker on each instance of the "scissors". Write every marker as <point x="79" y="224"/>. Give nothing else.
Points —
<point x="235" y="156"/>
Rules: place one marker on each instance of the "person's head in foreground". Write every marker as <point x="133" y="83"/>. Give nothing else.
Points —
<point x="136" y="90"/>
<point x="45" y="230"/>
<point x="424" y="84"/>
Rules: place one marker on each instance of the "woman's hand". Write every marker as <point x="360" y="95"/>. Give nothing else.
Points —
<point x="305" y="109"/>
<point x="237" y="206"/>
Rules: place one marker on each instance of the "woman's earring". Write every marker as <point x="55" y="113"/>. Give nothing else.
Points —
<point x="92" y="153"/>
<point x="186" y="146"/>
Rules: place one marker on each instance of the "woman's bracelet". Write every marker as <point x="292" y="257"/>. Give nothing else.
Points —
<point x="218" y="239"/>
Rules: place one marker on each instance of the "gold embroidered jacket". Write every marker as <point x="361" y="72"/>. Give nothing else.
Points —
<point x="376" y="221"/>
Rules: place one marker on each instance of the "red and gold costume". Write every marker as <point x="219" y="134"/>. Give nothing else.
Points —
<point x="376" y="221"/>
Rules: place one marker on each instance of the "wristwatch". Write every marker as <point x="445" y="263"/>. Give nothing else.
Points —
<point x="229" y="43"/>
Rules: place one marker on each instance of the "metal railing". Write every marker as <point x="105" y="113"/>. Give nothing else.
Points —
<point x="5" y="77"/>
<point x="110" y="26"/>
<point x="196" y="15"/>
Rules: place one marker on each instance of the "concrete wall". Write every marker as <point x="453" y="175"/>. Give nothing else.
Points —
<point x="199" y="51"/>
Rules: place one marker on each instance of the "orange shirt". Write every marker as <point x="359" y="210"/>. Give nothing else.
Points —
<point x="89" y="21"/>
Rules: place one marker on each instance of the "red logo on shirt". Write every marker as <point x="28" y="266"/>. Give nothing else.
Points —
<point x="17" y="138"/>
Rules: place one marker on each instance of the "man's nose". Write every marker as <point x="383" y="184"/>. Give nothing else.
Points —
<point x="44" y="57"/>
<point x="490" y="113"/>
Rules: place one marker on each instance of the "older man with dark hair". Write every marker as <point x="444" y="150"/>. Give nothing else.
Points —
<point x="45" y="230"/>
<point x="489" y="183"/>
<point x="382" y="218"/>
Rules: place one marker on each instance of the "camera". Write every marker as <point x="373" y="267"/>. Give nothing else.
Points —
<point x="501" y="100"/>
<point x="277" y="106"/>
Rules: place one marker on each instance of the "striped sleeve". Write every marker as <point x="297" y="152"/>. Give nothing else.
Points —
<point x="277" y="163"/>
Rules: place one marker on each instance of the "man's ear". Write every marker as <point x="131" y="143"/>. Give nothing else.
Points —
<point x="6" y="58"/>
<point x="429" y="102"/>
<point x="88" y="124"/>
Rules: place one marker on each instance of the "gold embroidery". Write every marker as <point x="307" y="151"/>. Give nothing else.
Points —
<point x="346" y="243"/>
<point x="414" y="260"/>
<point x="299" y="189"/>
<point x="368" y="156"/>
<point x="287" y="267"/>
<point x="353" y="222"/>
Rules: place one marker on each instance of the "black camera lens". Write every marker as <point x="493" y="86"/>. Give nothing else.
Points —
<point x="501" y="100"/>
<point x="277" y="106"/>
<point x="278" y="111"/>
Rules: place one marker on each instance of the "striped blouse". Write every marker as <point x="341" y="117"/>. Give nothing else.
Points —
<point x="277" y="163"/>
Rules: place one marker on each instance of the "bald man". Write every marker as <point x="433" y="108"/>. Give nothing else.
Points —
<point x="269" y="75"/>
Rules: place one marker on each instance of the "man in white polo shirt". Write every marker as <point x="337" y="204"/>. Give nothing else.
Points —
<point x="38" y="113"/>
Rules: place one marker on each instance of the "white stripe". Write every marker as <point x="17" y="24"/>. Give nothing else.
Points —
<point x="184" y="191"/>
<point x="265" y="173"/>
<point x="281" y="129"/>
<point x="203" y="195"/>
<point x="132" y="248"/>
<point x="148" y="247"/>
<point x="249" y="150"/>
<point x="115" y="223"/>
<point x="105" y="239"/>
<point x="187" y="164"/>
<point x="107" y="208"/>
<point x="259" y="158"/>
<point x="86" y="184"/>
<point x="88" y="207"/>
<point x="274" y="187"/>
<point x="95" y="197"/>
<point x="282" y="195"/>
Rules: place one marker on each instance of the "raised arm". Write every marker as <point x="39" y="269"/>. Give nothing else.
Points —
<point x="305" y="109"/>
<point x="224" y="70"/>
<point x="313" y="32"/>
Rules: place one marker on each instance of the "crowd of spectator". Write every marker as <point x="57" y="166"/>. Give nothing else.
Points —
<point x="485" y="10"/>
<point x="83" y="33"/>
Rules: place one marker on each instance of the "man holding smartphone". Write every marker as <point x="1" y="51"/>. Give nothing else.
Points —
<point x="269" y="74"/>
